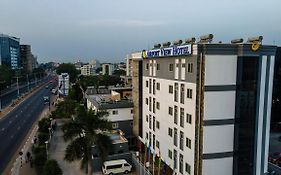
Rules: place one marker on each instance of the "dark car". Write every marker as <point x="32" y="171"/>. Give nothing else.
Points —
<point x="275" y="157"/>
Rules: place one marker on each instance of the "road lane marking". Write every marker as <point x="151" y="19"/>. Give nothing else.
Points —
<point x="3" y="129"/>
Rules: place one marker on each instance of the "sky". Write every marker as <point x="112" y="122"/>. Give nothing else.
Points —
<point x="108" y="30"/>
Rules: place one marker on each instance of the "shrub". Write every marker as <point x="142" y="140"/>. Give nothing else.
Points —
<point x="51" y="167"/>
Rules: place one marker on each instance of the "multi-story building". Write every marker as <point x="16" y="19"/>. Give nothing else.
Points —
<point x="119" y="105"/>
<point x="10" y="51"/>
<point x="28" y="61"/>
<point x="107" y="69"/>
<point x="87" y="70"/>
<point x="63" y="84"/>
<point x="206" y="106"/>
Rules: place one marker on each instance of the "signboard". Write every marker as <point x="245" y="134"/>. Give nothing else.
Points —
<point x="168" y="51"/>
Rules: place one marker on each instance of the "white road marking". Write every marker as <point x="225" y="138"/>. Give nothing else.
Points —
<point x="3" y="129"/>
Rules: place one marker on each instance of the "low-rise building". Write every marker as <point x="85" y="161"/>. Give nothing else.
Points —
<point x="63" y="84"/>
<point x="119" y="105"/>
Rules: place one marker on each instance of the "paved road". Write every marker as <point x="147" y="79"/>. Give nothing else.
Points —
<point x="15" y="126"/>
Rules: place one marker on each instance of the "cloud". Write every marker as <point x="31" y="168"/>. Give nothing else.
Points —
<point x="127" y="23"/>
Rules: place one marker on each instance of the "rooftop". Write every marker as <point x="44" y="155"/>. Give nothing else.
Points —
<point x="104" y="101"/>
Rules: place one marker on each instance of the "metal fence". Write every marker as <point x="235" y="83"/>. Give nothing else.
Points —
<point x="139" y="167"/>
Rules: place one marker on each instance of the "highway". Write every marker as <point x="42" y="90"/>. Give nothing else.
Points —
<point x="15" y="126"/>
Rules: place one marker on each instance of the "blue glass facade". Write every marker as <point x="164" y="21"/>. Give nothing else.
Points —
<point x="10" y="51"/>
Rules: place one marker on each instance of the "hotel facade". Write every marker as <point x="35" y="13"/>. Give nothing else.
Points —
<point x="206" y="107"/>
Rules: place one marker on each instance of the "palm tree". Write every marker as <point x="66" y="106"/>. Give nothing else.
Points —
<point x="86" y="130"/>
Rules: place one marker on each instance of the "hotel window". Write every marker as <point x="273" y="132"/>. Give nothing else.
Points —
<point x="147" y="66"/>
<point x="146" y="83"/>
<point x="150" y="138"/>
<point x="115" y="112"/>
<point x="181" y="140"/>
<point x="176" y="92"/>
<point x="188" y="118"/>
<point x="149" y="121"/>
<point x="170" y="89"/>
<point x="157" y="105"/>
<point x="183" y="65"/>
<point x="170" y="110"/>
<point x="132" y="111"/>
<point x="189" y="93"/>
<point x="181" y="164"/>
<point x="175" y="159"/>
<point x="153" y="141"/>
<point x="146" y="101"/>
<point x="170" y="132"/>
<point x="114" y="125"/>
<point x="171" y="67"/>
<point x="157" y="66"/>
<point x="157" y="144"/>
<point x="149" y="103"/>
<point x="146" y="118"/>
<point x="153" y="124"/>
<point x="153" y="109"/>
<point x="146" y="136"/>
<point x="176" y="115"/>
<point x="158" y="86"/>
<point x="175" y="137"/>
<point x="154" y="86"/>
<point x="182" y="117"/>
<point x="150" y="84"/>
<point x="188" y="143"/>
<point x="187" y="168"/>
<point x="170" y="154"/>
<point x="182" y="94"/>
<point x="190" y="68"/>
<point x="157" y="124"/>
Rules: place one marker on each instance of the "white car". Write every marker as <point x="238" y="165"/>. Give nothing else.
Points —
<point x="116" y="166"/>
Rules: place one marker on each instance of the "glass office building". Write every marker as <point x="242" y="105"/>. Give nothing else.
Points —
<point x="9" y="51"/>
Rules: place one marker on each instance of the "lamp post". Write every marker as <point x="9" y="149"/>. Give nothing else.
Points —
<point x="50" y="134"/>
<point x="46" y="142"/>
<point x="2" y="82"/>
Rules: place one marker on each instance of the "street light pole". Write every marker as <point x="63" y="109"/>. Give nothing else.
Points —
<point x="27" y="82"/>
<point x="46" y="142"/>
<point x="18" y="86"/>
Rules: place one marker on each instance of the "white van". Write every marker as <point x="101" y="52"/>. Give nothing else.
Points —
<point x="116" y="166"/>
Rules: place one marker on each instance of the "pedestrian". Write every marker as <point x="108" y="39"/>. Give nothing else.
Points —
<point x="31" y="162"/>
<point x="28" y="156"/>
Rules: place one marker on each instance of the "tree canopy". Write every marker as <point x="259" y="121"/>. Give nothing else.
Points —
<point x="70" y="69"/>
<point x="84" y="132"/>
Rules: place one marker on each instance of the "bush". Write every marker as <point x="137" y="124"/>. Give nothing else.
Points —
<point x="42" y="137"/>
<point x="51" y="167"/>
<point x="39" y="161"/>
<point x="44" y="124"/>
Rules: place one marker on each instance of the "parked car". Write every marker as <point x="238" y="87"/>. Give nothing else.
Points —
<point x="273" y="158"/>
<point x="116" y="166"/>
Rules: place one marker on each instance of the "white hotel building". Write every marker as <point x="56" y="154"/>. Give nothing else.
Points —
<point x="206" y="108"/>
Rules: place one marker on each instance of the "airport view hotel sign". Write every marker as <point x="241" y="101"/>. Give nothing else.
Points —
<point x="167" y="52"/>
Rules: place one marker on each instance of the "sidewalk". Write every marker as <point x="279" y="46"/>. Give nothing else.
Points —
<point x="57" y="150"/>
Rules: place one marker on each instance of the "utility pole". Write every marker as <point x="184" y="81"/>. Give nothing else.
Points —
<point x="1" y="94"/>
<point x="27" y="82"/>
<point x="18" y="86"/>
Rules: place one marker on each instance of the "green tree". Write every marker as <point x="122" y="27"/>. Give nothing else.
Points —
<point x="52" y="167"/>
<point x="70" y="69"/>
<point x="65" y="109"/>
<point x="39" y="160"/>
<point x="119" y="72"/>
<point x="6" y="76"/>
<point x="84" y="132"/>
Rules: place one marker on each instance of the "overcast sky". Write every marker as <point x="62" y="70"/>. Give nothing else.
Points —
<point x="68" y="30"/>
